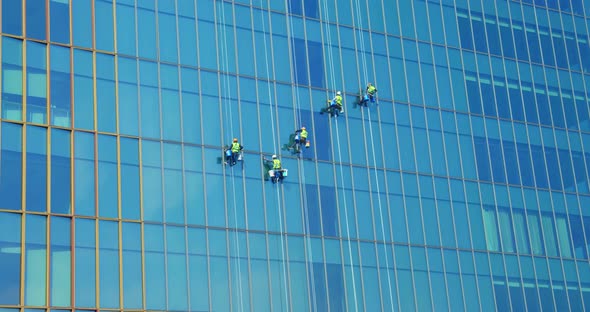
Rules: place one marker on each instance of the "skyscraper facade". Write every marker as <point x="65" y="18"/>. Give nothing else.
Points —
<point x="463" y="187"/>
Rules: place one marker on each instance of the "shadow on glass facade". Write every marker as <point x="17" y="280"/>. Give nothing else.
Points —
<point x="464" y="187"/>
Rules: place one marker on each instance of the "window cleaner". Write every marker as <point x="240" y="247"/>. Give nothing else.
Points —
<point x="277" y="173"/>
<point x="334" y="106"/>
<point x="233" y="153"/>
<point x="369" y="95"/>
<point x="300" y="140"/>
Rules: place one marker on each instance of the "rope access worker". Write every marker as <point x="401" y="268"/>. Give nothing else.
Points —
<point x="370" y="95"/>
<point x="277" y="169"/>
<point x="235" y="148"/>
<point x="335" y="105"/>
<point x="300" y="139"/>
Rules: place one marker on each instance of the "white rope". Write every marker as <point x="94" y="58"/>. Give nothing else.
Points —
<point x="346" y="217"/>
<point x="331" y="63"/>
<point x="274" y="142"/>
<point x="302" y="184"/>
<point x="228" y="104"/>
<point x="377" y="183"/>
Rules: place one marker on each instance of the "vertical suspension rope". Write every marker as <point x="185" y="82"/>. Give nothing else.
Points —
<point x="274" y="142"/>
<point x="331" y="63"/>
<point x="299" y="121"/>
<point x="377" y="183"/>
<point x="228" y="115"/>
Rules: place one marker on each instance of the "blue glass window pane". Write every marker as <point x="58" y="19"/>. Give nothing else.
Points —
<point x="146" y="33"/>
<point x="155" y="268"/>
<point x="130" y="201"/>
<point x="12" y="77"/>
<point x="85" y="267"/>
<point x="10" y="254"/>
<point x="506" y="37"/>
<point x="36" y="82"/>
<point x="36" y="169"/>
<point x="173" y="186"/>
<point x="59" y="20"/>
<point x="12" y="14"/>
<point x="83" y="90"/>
<point x="103" y="10"/>
<point x="84" y="174"/>
<point x="61" y="169"/>
<point x="167" y="44"/>
<point x="82" y="23"/>
<point x="60" y="262"/>
<point x="105" y="93"/>
<point x="109" y="264"/>
<point x="128" y="96"/>
<point x="131" y="262"/>
<point x="107" y="176"/>
<point x="152" y="181"/>
<point x="126" y="28"/>
<point x="60" y="84"/>
<point x="187" y="34"/>
<point x="171" y="115"/>
<point x="11" y="166"/>
<point x="208" y="55"/>
<point x="552" y="161"/>
<point x="539" y="164"/>
<point x="35" y="19"/>
<point x="35" y="260"/>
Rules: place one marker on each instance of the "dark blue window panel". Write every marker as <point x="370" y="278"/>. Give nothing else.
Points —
<point x="567" y="174"/>
<point x="481" y="153"/>
<point x="506" y="35"/>
<point x="585" y="55"/>
<point x="316" y="64"/>
<point x="473" y="95"/>
<point x="59" y="21"/>
<point x="487" y="95"/>
<point x="582" y="110"/>
<point x="532" y="298"/>
<point x="579" y="170"/>
<point x="569" y="110"/>
<point x="516" y="105"/>
<point x="35" y="19"/>
<point x="560" y="52"/>
<point x="497" y="161"/>
<point x="300" y="61"/>
<point x="511" y="161"/>
<point x="479" y="34"/>
<point x="534" y="45"/>
<point x="465" y="30"/>
<point x="572" y="52"/>
<point x="316" y="276"/>
<point x="546" y="45"/>
<point x="543" y="106"/>
<point x="299" y="6"/>
<point x="526" y="168"/>
<point x="322" y="210"/>
<point x="557" y="112"/>
<point x="502" y="100"/>
<point x="493" y="36"/>
<point x="336" y="287"/>
<point x="501" y="294"/>
<point x="587" y="156"/>
<point x="313" y="210"/>
<point x="12" y="12"/>
<point x="578" y="7"/>
<point x="577" y="230"/>
<point x="328" y="207"/>
<point x="520" y="40"/>
<point x="11" y="166"/>
<point x="539" y="164"/>
<point x="529" y="104"/>
<point x="553" y="168"/>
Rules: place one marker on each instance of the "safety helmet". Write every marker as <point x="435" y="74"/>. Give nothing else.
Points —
<point x="235" y="140"/>
<point x="369" y="83"/>
<point x="338" y="93"/>
<point x="274" y="156"/>
<point x="302" y="128"/>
